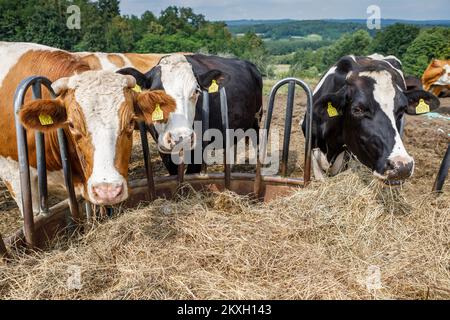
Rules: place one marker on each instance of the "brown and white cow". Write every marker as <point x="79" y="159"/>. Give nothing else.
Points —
<point x="436" y="78"/>
<point x="116" y="61"/>
<point x="97" y="110"/>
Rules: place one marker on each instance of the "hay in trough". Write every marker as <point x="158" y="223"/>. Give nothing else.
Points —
<point x="347" y="238"/>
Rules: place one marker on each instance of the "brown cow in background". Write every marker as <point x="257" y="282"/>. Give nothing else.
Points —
<point x="436" y="78"/>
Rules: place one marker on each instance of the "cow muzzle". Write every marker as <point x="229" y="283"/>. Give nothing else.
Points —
<point x="108" y="193"/>
<point x="177" y="141"/>
<point x="398" y="169"/>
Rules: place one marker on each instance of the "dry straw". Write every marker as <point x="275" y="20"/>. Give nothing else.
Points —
<point x="347" y="238"/>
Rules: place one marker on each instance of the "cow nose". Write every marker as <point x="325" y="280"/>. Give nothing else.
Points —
<point x="108" y="193"/>
<point x="399" y="168"/>
<point x="182" y="139"/>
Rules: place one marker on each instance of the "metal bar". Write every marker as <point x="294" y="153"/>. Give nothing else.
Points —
<point x="205" y="127"/>
<point x="73" y="203"/>
<point x="3" y="250"/>
<point x="402" y="126"/>
<point x="181" y="169"/>
<point x="24" y="169"/>
<point x="109" y="212"/>
<point x="227" y="142"/>
<point x="287" y="128"/>
<point x="88" y="209"/>
<point x="443" y="172"/>
<point x="308" y="134"/>
<point x="40" y="158"/>
<point x="147" y="161"/>
<point x="262" y="148"/>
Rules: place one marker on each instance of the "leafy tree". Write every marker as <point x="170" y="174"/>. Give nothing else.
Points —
<point x="429" y="44"/>
<point x="167" y="43"/>
<point x="119" y="36"/>
<point x="357" y="44"/>
<point x="109" y="8"/>
<point x="47" y="26"/>
<point x="394" y="40"/>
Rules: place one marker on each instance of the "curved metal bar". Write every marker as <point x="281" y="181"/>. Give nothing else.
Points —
<point x="287" y="128"/>
<point x="443" y="172"/>
<point x="264" y="136"/>
<point x="22" y="147"/>
<point x="40" y="157"/>
<point x="227" y="142"/>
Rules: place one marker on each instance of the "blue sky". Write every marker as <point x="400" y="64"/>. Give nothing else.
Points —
<point x="297" y="9"/>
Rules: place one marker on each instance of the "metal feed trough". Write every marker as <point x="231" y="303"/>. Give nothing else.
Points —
<point x="66" y="214"/>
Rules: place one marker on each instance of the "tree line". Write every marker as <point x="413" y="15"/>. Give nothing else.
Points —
<point x="104" y="29"/>
<point x="180" y="29"/>
<point x="413" y="45"/>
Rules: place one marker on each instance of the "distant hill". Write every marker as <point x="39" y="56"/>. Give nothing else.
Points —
<point x="329" y="29"/>
<point x="387" y="22"/>
<point x="237" y="23"/>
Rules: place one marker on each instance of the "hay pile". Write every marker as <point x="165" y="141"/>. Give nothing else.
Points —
<point x="348" y="238"/>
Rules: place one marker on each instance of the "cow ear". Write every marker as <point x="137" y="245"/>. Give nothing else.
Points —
<point x="141" y="80"/>
<point x="332" y="105"/>
<point x="154" y="106"/>
<point x="420" y="102"/>
<point x="209" y="79"/>
<point x="43" y="115"/>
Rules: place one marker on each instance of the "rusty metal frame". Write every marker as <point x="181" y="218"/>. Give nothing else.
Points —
<point x="148" y="189"/>
<point x="443" y="172"/>
<point x="292" y="83"/>
<point x="36" y="83"/>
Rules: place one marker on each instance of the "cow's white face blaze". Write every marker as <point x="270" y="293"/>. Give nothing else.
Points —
<point x="100" y="97"/>
<point x="384" y="94"/>
<point x="178" y="81"/>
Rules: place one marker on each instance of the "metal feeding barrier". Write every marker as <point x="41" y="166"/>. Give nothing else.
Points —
<point x="443" y="172"/>
<point x="38" y="230"/>
<point x="73" y="214"/>
<point x="262" y="187"/>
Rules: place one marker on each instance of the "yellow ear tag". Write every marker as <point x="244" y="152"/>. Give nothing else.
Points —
<point x="137" y="88"/>
<point x="422" y="107"/>
<point x="158" y="114"/>
<point x="332" y="111"/>
<point x="214" y="87"/>
<point x="45" y="119"/>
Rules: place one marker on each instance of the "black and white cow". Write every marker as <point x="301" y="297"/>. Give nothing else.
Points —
<point x="358" y="108"/>
<point x="184" y="77"/>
